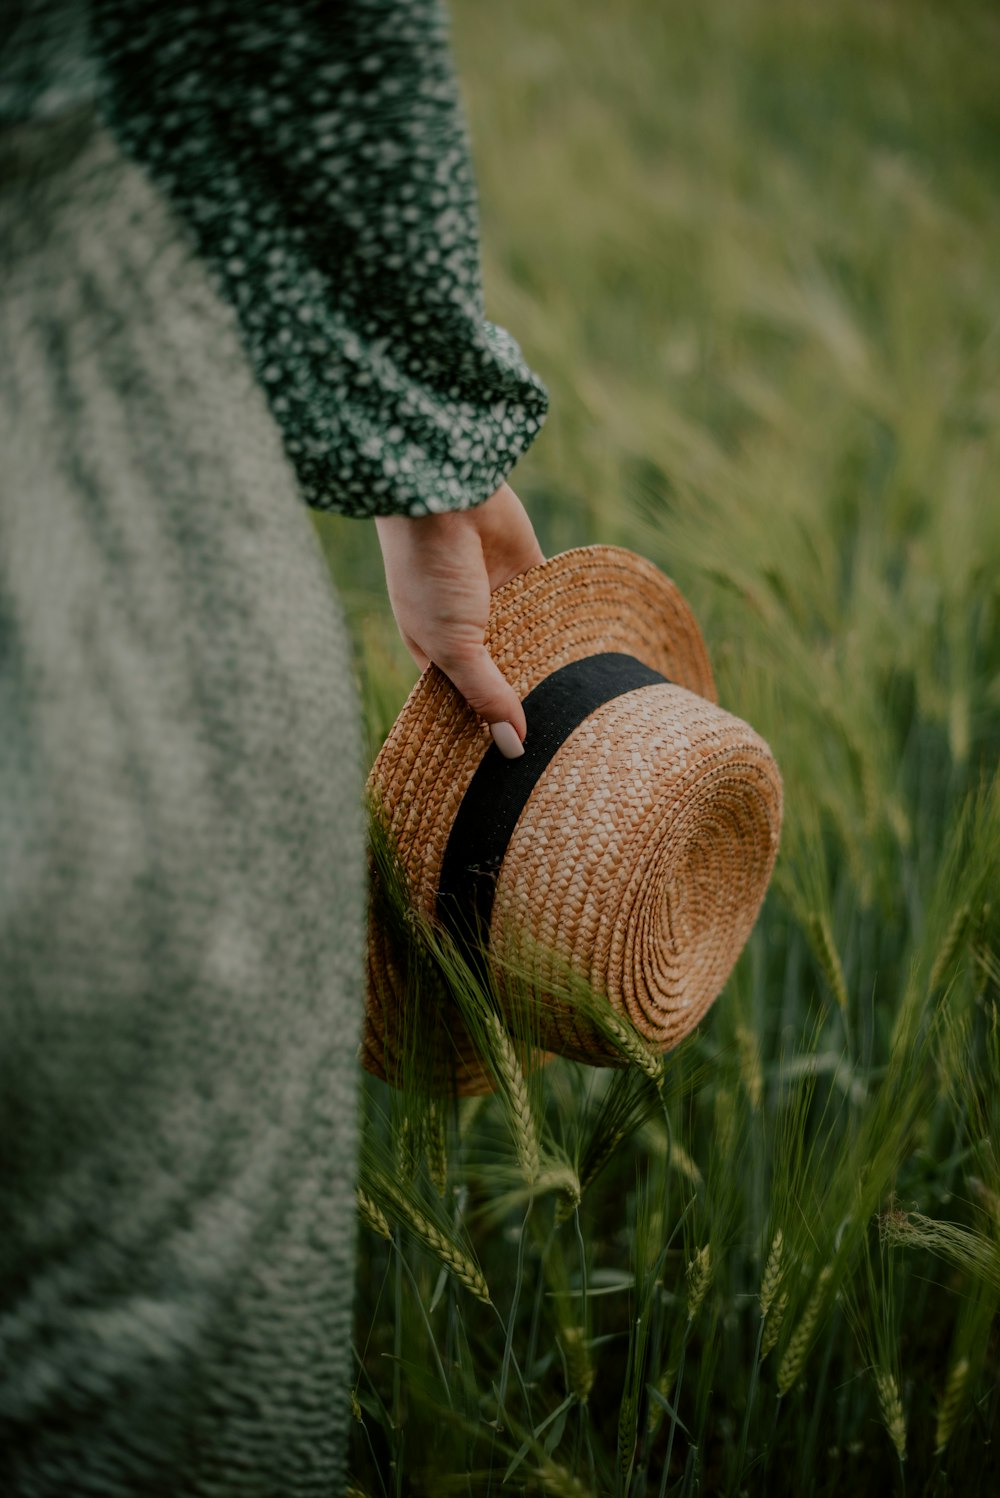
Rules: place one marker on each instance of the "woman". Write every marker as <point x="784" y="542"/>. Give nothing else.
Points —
<point x="239" y="268"/>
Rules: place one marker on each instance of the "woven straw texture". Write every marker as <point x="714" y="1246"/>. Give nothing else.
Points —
<point x="642" y="856"/>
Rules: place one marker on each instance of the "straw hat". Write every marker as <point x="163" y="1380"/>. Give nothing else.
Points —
<point x="631" y="845"/>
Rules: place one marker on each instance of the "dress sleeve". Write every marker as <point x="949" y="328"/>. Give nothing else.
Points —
<point x="318" y="151"/>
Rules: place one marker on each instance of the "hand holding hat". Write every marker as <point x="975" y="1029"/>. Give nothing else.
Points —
<point x="631" y="846"/>
<point x="440" y="572"/>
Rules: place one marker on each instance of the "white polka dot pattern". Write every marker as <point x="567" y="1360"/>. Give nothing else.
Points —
<point x="318" y="152"/>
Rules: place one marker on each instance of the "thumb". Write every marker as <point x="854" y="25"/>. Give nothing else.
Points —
<point x="486" y="689"/>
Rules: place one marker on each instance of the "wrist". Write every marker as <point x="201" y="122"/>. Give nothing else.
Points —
<point x="441" y="520"/>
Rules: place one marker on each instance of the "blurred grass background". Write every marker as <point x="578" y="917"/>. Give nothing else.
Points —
<point x="754" y="251"/>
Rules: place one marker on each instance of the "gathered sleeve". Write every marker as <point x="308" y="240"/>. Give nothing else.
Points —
<point x="318" y="151"/>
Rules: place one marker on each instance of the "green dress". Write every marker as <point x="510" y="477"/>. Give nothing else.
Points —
<point x="238" y="267"/>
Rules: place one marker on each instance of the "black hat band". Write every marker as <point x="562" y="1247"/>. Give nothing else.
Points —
<point x="500" y="789"/>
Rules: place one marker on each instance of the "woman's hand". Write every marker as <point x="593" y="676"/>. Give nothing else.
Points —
<point x="440" y="571"/>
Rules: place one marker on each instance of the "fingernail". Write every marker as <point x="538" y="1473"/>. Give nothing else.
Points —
<point x="506" y="739"/>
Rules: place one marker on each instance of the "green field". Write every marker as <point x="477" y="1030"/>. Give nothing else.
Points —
<point x="754" y="251"/>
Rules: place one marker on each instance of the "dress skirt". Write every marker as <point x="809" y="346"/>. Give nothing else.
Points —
<point x="181" y="873"/>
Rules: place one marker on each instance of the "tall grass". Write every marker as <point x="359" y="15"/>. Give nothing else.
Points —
<point x="754" y="249"/>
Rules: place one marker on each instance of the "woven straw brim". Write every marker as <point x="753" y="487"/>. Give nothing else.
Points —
<point x="642" y="856"/>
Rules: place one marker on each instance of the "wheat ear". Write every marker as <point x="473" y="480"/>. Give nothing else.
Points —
<point x="516" y="1094"/>
<point x="772" y="1326"/>
<point x="630" y="1043"/>
<point x="437" y="1147"/>
<point x="829" y="959"/>
<point x="957" y="927"/>
<point x="451" y="1256"/>
<point x="772" y="1273"/>
<point x="951" y="1403"/>
<point x="891" y="1406"/>
<point x="579" y="1367"/>
<point x="795" y="1352"/>
<point x="373" y="1216"/>
<point x="699" y="1277"/>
